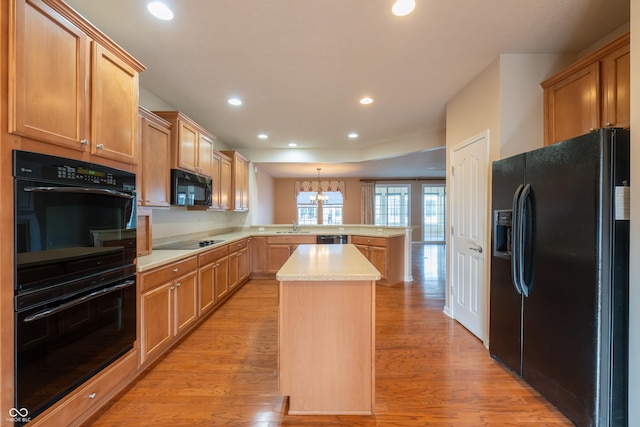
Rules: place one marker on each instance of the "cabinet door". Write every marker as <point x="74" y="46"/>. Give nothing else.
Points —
<point x="378" y="257"/>
<point x="155" y="164"/>
<point x="616" y="79"/>
<point x="186" y="302"/>
<point x="48" y="77"/>
<point x="234" y="269"/>
<point x="364" y="250"/>
<point x="222" y="277"/>
<point x="259" y="254"/>
<point x="206" y="285"/>
<point x="572" y="105"/>
<point x="114" y="107"/>
<point x="215" y="174"/>
<point x="188" y="141"/>
<point x="243" y="264"/>
<point x="277" y="255"/>
<point x="205" y="155"/>
<point x="156" y="324"/>
<point x="243" y="183"/>
<point x="225" y="183"/>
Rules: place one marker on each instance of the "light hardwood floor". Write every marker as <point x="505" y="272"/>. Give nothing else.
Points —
<point x="429" y="369"/>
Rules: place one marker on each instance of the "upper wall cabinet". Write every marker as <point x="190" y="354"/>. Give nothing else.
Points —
<point x="239" y="181"/>
<point x="155" y="147"/>
<point x="69" y="84"/>
<point x="592" y="93"/>
<point x="191" y="145"/>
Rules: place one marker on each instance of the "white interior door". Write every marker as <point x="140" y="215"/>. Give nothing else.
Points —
<point x="469" y="182"/>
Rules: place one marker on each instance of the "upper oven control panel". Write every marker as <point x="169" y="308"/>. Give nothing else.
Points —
<point x="41" y="167"/>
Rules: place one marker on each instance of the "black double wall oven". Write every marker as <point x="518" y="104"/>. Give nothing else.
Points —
<point x="75" y="283"/>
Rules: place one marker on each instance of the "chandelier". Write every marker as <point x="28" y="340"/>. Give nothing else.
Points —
<point x="318" y="197"/>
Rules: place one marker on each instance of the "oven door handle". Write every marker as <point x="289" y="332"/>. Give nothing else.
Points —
<point x="83" y="190"/>
<point x="51" y="311"/>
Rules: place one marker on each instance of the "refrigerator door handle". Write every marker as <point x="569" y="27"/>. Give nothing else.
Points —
<point x="515" y="272"/>
<point x="522" y="226"/>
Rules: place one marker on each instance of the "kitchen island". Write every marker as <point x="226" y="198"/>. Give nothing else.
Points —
<point x="326" y="326"/>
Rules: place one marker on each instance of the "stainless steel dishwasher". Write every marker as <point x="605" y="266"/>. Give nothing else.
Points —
<point x="338" y="239"/>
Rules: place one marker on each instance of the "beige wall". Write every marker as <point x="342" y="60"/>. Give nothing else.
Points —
<point x="285" y="207"/>
<point x="285" y="203"/>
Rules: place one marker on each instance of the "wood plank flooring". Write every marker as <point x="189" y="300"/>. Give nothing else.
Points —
<point x="429" y="369"/>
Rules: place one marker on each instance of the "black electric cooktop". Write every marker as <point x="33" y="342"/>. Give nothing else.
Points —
<point x="188" y="244"/>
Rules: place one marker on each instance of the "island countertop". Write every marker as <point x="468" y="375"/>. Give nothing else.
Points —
<point x="327" y="263"/>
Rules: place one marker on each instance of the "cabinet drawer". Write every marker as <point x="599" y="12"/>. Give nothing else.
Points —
<point x="296" y="240"/>
<point x="371" y="241"/>
<point x="212" y="255"/>
<point x="240" y="244"/>
<point x="168" y="273"/>
<point x="89" y="397"/>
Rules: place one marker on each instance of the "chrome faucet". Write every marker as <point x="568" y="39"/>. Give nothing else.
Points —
<point x="295" y="225"/>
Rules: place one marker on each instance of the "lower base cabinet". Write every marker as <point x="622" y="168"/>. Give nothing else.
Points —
<point x="213" y="277"/>
<point x="386" y="254"/>
<point x="168" y="306"/>
<point x="280" y="248"/>
<point x="238" y="263"/>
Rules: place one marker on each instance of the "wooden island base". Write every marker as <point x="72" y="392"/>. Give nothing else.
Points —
<point x="327" y="331"/>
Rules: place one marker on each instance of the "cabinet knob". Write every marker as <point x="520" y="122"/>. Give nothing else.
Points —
<point x="92" y="395"/>
<point x="592" y="129"/>
<point x="84" y="141"/>
<point x="178" y="285"/>
<point x="175" y="270"/>
<point x="172" y="288"/>
<point x="100" y="146"/>
<point x="608" y="125"/>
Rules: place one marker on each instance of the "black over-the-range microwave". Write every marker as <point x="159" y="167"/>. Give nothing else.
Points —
<point x="188" y="189"/>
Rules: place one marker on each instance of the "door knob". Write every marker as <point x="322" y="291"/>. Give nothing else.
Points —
<point x="476" y="248"/>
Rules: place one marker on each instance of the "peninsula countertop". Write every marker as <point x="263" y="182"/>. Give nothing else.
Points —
<point x="327" y="263"/>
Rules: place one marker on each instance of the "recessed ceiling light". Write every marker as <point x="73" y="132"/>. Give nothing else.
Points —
<point x="160" y="10"/>
<point x="353" y="135"/>
<point x="263" y="136"/>
<point x="293" y="144"/>
<point x="235" y="101"/>
<point x="366" y="100"/>
<point x="403" y="7"/>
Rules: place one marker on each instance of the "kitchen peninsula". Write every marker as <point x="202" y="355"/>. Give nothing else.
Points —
<point x="326" y="327"/>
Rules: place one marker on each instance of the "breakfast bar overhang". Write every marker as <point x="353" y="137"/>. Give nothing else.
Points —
<point x="326" y="327"/>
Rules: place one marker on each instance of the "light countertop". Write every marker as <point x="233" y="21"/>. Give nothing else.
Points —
<point x="160" y="257"/>
<point x="327" y="263"/>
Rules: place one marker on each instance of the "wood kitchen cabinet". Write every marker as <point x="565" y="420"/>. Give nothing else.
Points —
<point x="592" y="93"/>
<point x="280" y="248"/>
<point x="239" y="181"/>
<point x="191" y="144"/>
<point x="238" y="263"/>
<point x="154" y="184"/>
<point x="221" y="182"/>
<point x="213" y="274"/>
<point x="258" y="256"/>
<point x="55" y="55"/>
<point x="386" y="254"/>
<point x="168" y="306"/>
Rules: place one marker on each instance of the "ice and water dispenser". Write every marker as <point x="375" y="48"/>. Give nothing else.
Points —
<point x="502" y="233"/>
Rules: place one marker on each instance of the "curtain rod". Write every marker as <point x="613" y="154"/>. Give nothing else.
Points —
<point x="401" y="179"/>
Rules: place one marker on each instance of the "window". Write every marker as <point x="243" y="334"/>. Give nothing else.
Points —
<point x="330" y="211"/>
<point x="391" y="205"/>
<point x="433" y="202"/>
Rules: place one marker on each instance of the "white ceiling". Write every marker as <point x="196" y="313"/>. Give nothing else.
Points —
<point x="301" y="66"/>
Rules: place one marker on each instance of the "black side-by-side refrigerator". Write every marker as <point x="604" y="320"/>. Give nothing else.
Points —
<point x="559" y="273"/>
